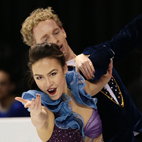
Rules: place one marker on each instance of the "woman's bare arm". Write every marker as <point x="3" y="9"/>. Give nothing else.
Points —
<point x="41" y="117"/>
<point x="94" y="87"/>
<point x="46" y="130"/>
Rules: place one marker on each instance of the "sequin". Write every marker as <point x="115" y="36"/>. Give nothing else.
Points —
<point x="66" y="135"/>
<point x="116" y="90"/>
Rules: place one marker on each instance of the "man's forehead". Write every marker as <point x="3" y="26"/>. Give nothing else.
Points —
<point x="45" y="26"/>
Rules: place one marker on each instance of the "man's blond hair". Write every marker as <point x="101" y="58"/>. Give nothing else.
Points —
<point x="32" y="21"/>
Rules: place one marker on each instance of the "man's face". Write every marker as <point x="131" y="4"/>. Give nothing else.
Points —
<point x="50" y="32"/>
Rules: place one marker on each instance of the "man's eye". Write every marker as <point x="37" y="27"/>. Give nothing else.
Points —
<point x="53" y="74"/>
<point x="46" y="39"/>
<point x="56" y="32"/>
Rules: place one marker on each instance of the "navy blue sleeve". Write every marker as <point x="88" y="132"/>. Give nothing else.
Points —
<point x="129" y="37"/>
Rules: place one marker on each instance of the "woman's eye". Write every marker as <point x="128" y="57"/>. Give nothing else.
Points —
<point x="39" y="77"/>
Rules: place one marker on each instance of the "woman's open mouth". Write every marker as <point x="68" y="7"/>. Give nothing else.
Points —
<point x="52" y="91"/>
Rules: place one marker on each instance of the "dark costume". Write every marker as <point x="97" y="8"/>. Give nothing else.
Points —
<point x="118" y="121"/>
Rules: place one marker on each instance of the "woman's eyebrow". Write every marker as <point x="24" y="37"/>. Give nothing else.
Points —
<point x="47" y="73"/>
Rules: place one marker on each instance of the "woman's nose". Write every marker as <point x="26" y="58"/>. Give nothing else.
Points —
<point x="47" y="83"/>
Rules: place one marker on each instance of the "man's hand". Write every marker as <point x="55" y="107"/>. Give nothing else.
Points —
<point x="84" y="64"/>
<point x="34" y="105"/>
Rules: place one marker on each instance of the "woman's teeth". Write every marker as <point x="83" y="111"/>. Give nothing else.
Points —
<point x="52" y="91"/>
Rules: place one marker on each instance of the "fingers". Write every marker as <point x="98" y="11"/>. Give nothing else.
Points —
<point x="38" y="101"/>
<point x="110" y="67"/>
<point x="36" y="106"/>
<point x="92" y="67"/>
<point x="20" y="100"/>
<point x="111" y="63"/>
<point x="33" y="104"/>
<point x="25" y="102"/>
<point x="28" y="104"/>
<point x="88" y="70"/>
<point x="84" y="64"/>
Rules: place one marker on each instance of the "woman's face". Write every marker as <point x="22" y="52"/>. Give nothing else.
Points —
<point x="49" y="76"/>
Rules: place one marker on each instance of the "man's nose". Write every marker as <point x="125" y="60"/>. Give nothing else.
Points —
<point x="54" y="40"/>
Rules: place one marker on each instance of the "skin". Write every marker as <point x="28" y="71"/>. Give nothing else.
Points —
<point x="6" y="89"/>
<point x="49" y="74"/>
<point x="5" y="84"/>
<point x="50" y="32"/>
<point x="48" y="77"/>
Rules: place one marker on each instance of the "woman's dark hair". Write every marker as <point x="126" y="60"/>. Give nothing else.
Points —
<point x="40" y="51"/>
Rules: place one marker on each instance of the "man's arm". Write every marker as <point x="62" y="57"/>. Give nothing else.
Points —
<point x="97" y="86"/>
<point x="129" y="37"/>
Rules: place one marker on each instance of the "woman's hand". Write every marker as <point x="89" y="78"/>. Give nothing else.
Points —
<point x="34" y="105"/>
<point x="97" y="86"/>
<point x="109" y="71"/>
<point x="84" y="64"/>
<point x="42" y="118"/>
